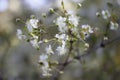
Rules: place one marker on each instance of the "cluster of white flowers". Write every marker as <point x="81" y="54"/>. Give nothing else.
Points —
<point x="49" y="50"/>
<point x="43" y="61"/>
<point x="72" y="18"/>
<point x="63" y="38"/>
<point x="34" y="42"/>
<point x="20" y="34"/>
<point x="31" y="24"/>
<point x="61" y="22"/>
<point x="113" y="25"/>
<point x="86" y="30"/>
<point x="67" y="22"/>
<point x="69" y="32"/>
<point x="105" y="14"/>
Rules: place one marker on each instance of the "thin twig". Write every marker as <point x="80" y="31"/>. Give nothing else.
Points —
<point x="101" y="45"/>
<point x="67" y="58"/>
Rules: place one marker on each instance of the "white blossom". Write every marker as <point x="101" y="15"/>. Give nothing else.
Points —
<point x="46" y="71"/>
<point x="29" y="27"/>
<point x="49" y="50"/>
<point x="86" y="30"/>
<point x="63" y="43"/>
<point x="32" y="23"/>
<point x="43" y="58"/>
<point x="61" y="50"/>
<point x="45" y="65"/>
<point x="20" y="34"/>
<point x="61" y="22"/>
<point x="113" y="25"/>
<point x="105" y="14"/>
<point x="73" y="20"/>
<point x="62" y="37"/>
<point x="34" y="42"/>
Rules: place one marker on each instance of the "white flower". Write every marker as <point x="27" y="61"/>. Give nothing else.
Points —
<point x="20" y="35"/>
<point x="61" y="50"/>
<point x="34" y="42"/>
<point x="62" y="37"/>
<point x="45" y="65"/>
<point x="49" y="50"/>
<point x="29" y="27"/>
<point x="113" y="25"/>
<point x="32" y="23"/>
<point x="73" y="20"/>
<point x="105" y="14"/>
<point x="43" y="57"/>
<point x="46" y="71"/>
<point x="86" y="30"/>
<point x="63" y="43"/>
<point x="43" y="60"/>
<point x="61" y="22"/>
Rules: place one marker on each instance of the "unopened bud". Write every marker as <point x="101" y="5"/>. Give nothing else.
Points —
<point x="98" y="14"/>
<point x="87" y="45"/>
<point x="79" y="5"/>
<point x="18" y="19"/>
<point x="51" y="10"/>
<point x="45" y="40"/>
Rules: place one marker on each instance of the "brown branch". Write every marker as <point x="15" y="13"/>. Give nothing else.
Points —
<point x="103" y="44"/>
<point x="67" y="61"/>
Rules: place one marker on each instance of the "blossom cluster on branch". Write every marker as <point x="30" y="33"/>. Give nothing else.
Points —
<point x="70" y="32"/>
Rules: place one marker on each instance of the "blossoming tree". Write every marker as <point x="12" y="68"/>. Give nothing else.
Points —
<point x="68" y="41"/>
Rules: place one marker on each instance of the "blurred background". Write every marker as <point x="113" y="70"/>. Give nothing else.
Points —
<point x="18" y="59"/>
